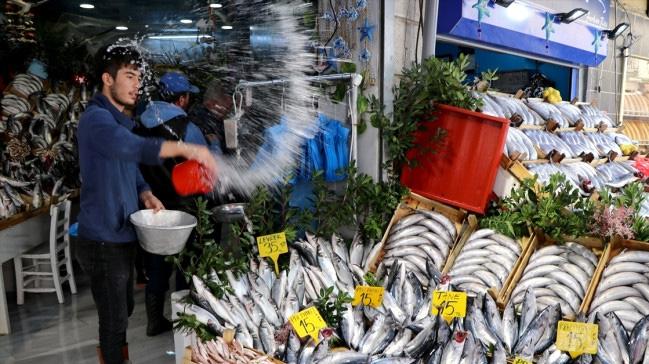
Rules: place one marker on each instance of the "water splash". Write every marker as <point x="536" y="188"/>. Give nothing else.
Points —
<point x="285" y="107"/>
<point x="266" y="42"/>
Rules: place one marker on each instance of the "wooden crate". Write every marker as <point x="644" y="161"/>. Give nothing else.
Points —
<point x="516" y="168"/>
<point x="539" y="241"/>
<point x="408" y="206"/>
<point x="612" y="250"/>
<point x="187" y="357"/>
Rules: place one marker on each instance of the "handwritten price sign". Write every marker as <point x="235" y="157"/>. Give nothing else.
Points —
<point x="272" y="246"/>
<point x="520" y="360"/>
<point x="308" y="323"/>
<point x="577" y="338"/>
<point x="449" y="304"/>
<point x="368" y="296"/>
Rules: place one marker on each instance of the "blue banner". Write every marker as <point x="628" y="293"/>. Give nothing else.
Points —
<point x="529" y="28"/>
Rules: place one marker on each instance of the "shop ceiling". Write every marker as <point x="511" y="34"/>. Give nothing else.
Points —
<point x="139" y="16"/>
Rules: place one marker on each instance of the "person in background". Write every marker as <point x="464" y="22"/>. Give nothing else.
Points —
<point x="112" y="187"/>
<point x="168" y="120"/>
<point x="209" y="115"/>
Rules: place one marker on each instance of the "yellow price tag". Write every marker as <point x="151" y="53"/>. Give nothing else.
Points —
<point x="520" y="360"/>
<point x="272" y="246"/>
<point x="451" y="304"/>
<point x="368" y="296"/>
<point x="308" y="323"/>
<point x="577" y="338"/>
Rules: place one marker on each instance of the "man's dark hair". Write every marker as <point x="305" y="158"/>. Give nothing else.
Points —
<point x="112" y="58"/>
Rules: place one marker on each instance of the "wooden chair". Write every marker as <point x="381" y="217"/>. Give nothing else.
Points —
<point x="50" y="256"/>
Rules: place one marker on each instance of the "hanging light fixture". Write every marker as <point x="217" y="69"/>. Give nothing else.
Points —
<point x="503" y="3"/>
<point x="186" y="21"/>
<point x="615" y="32"/>
<point x="570" y="16"/>
<point x="215" y="5"/>
<point x="121" y="27"/>
<point x="86" y="6"/>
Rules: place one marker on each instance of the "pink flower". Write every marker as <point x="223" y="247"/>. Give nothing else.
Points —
<point x="612" y="221"/>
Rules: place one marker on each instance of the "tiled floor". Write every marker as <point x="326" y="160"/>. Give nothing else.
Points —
<point x="45" y="332"/>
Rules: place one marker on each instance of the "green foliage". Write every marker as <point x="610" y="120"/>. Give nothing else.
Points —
<point x="364" y="204"/>
<point x="557" y="209"/>
<point x="203" y="255"/>
<point x="371" y="280"/>
<point x="189" y="324"/>
<point x="332" y="308"/>
<point x="269" y="212"/>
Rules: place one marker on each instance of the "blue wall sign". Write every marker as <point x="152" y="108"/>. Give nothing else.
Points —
<point x="529" y="28"/>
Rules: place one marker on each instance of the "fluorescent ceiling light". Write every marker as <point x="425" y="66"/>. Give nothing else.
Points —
<point x="504" y="3"/>
<point x="86" y="6"/>
<point x="178" y="36"/>
<point x="226" y="27"/>
<point x="121" y="27"/>
<point x="571" y="16"/>
<point x="215" y="6"/>
<point x="185" y="21"/>
<point x="615" y="32"/>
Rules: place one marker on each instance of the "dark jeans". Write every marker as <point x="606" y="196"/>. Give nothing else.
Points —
<point x="110" y="267"/>
<point x="158" y="271"/>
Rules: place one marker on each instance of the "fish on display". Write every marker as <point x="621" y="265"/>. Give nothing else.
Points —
<point x="416" y="240"/>
<point x="486" y="260"/>
<point x="558" y="274"/>
<point x="624" y="289"/>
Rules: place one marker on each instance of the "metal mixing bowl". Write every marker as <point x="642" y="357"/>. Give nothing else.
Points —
<point x="165" y="232"/>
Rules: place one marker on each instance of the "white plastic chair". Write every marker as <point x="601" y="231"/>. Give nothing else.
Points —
<point x="52" y="256"/>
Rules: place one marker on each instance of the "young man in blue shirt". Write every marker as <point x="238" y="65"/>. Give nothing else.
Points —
<point x="168" y="120"/>
<point x="112" y="187"/>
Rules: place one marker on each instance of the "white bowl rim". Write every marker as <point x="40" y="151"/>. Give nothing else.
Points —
<point x="192" y="225"/>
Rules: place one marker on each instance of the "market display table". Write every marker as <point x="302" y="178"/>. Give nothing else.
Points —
<point x="18" y="234"/>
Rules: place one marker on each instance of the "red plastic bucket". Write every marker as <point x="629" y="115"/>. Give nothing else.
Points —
<point x="191" y="178"/>
<point x="463" y="169"/>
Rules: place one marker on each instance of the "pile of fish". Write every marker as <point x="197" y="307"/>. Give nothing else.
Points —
<point x="579" y="143"/>
<point x="583" y="175"/>
<point x="416" y="239"/>
<point x="25" y="85"/>
<point x="548" y="112"/>
<point x="621" y="139"/>
<point x="518" y="143"/>
<point x="594" y="116"/>
<point x="617" y="174"/>
<point x="40" y="158"/>
<point x="557" y="274"/>
<point x="604" y="143"/>
<point x="486" y="260"/>
<point x="549" y="142"/>
<point x="513" y="107"/>
<point x="218" y="352"/>
<point x="624" y="288"/>
<point x="616" y="345"/>
<point x="571" y="112"/>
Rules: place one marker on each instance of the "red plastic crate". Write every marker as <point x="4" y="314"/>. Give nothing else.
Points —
<point x="463" y="170"/>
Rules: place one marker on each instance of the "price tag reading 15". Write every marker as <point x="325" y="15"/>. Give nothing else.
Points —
<point x="368" y="296"/>
<point x="577" y="338"/>
<point x="449" y="304"/>
<point x="272" y="246"/>
<point x="308" y="323"/>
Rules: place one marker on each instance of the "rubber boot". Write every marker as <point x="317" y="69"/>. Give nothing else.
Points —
<point x="156" y="322"/>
